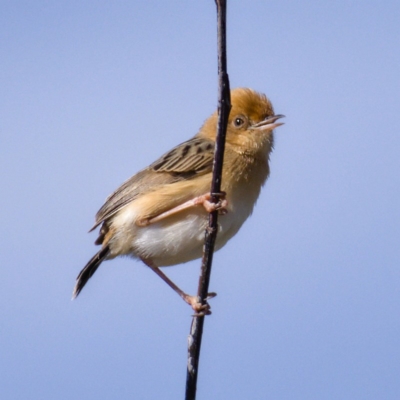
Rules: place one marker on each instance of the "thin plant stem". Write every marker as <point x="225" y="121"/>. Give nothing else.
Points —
<point x="224" y="106"/>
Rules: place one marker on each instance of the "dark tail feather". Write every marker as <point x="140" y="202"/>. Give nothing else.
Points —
<point x="89" y="270"/>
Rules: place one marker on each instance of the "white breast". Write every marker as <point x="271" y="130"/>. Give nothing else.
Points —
<point x="179" y="238"/>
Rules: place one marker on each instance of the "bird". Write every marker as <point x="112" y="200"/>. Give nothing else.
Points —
<point x="160" y="214"/>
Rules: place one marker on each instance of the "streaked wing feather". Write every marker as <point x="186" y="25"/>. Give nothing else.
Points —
<point x="184" y="162"/>
<point x="191" y="156"/>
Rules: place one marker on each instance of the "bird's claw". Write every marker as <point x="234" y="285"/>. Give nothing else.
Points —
<point x="219" y="206"/>
<point x="200" y="309"/>
<point x="210" y="295"/>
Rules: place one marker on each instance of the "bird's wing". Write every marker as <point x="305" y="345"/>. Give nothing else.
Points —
<point x="190" y="158"/>
<point x="182" y="164"/>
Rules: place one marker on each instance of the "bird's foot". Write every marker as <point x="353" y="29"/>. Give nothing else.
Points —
<point x="210" y="206"/>
<point x="200" y="309"/>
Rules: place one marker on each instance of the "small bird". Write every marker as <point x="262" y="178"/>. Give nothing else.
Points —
<point x="160" y="214"/>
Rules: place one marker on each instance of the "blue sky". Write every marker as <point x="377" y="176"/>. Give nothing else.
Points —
<point x="308" y="291"/>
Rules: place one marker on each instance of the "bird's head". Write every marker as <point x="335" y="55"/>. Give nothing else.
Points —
<point x="251" y="122"/>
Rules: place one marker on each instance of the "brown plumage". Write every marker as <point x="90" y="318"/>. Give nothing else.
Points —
<point x="159" y="215"/>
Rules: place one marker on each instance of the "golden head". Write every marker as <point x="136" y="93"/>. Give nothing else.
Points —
<point x="250" y="124"/>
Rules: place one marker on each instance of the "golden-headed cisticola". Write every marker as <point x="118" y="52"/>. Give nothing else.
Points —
<point x="159" y="215"/>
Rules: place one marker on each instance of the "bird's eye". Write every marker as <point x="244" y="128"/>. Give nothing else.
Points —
<point x="238" y="122"/>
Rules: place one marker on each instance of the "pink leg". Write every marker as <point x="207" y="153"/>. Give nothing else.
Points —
<point x="203" y="200"/>
<point x="193" y="301"/>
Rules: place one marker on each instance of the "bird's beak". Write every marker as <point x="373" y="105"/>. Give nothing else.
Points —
<point x="268" y="124"/>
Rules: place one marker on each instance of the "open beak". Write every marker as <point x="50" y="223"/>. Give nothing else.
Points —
<point x="268" y="124"/>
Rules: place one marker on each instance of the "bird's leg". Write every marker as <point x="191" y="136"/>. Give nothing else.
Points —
<point x="193" y="301"/>
<point x="203" y="200"/>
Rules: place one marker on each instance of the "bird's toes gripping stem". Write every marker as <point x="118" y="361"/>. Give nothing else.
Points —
<point x="200" y="309"/>
<point x="220" y="206"/>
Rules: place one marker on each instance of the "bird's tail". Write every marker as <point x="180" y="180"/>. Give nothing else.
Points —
<point x="89" y="270"/>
